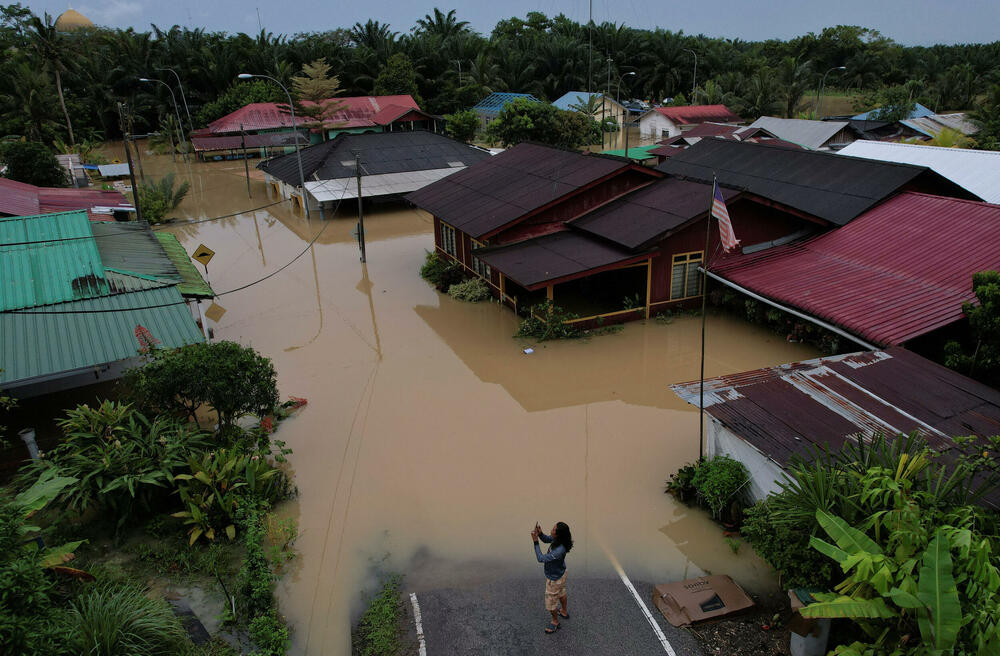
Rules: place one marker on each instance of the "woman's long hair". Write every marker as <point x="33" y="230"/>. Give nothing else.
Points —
<point x="563" y="537"/>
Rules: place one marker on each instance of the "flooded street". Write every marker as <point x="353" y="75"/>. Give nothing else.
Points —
<point x="431" y="443"/>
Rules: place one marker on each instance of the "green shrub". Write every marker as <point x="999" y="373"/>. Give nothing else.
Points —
<point x="124" y="462"/>
<point x="379" y="628"/>
<point x="123" y="621"/>
<point x="681" y="483"/>
<point x="718" y="482"/>
<point x="786" y="548"/>
<point x="255" y="581"/>
<point x="158" y="198"/>
<point x="555" y="327"/>
<point x="33" y="163"/>
<point x="269" y="634"/>
<point x="472" y="290"/>
<point x="441" y="272"/>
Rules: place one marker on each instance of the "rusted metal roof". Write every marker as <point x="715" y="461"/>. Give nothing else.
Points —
<point x="784" y="410"/>
<point x="895" y="273"/>
<point x="698" y="114"/>
<point x="18" y="198"/>
<point x="22" y="199"/>
<point x="269" y="116"/>
<point x="497" y="191"/>
<point x="534" y="262"/>
<point x="824" y="185"/>
<point x="235" y="142"/>
<point x="644" y="216"/>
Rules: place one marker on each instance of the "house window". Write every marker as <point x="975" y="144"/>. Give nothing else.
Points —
<point x="479" y="266"/>
<point x="448" y="240"/>
<point x="665" y="133"/>
<point x="685" y="279"/>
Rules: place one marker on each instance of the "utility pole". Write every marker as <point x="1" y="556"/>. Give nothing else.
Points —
<point x="361" y="210"/>
<point x="607" y="92"/>
<point x="128" y="157"/>
<point x="590" y="50"/>
<point x="246" y="165"/>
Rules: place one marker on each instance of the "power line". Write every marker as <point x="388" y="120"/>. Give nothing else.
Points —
<point x="160" y="305"/>
<point x="129" y="234"/>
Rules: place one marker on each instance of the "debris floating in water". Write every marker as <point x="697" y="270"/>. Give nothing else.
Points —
<point x="529" y="351"/>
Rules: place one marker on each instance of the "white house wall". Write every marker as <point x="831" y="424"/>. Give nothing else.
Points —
<point x="764" y="472"/>
<point x="657" y="126"/>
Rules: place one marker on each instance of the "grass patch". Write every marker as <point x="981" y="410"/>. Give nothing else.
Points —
<point x="380" y="631"/>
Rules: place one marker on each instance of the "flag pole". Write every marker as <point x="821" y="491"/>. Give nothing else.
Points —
<point x="704" y="305"/>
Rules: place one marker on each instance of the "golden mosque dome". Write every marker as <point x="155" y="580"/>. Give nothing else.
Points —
<point x="71" y="20"/>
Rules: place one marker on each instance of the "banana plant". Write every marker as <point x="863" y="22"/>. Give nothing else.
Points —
<point x="36" y="498"/>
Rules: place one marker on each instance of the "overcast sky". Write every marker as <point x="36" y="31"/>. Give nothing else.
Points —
<point x="912" y="22"/>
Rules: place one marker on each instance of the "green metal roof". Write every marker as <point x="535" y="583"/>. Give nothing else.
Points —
<point x="192" y="284"/>
<point x="50" y="270"/>
<point x="634" y="152"/>
<point x="131" y="246"/>
<point x="40" y="346"/>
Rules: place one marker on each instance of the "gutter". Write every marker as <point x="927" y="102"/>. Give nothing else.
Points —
<point x="783" y="308"/>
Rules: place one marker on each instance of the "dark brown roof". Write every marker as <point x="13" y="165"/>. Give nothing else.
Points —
<point x="559" y="255"/>
<point x="782" y="410"/>
<point x="495" y="192"/>
<point x="643" y="217"/>
<point x="824" y="185"/>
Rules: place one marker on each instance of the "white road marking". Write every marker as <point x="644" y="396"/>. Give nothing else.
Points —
<point x="420" y="627"/>
<point x="642" y="606"/>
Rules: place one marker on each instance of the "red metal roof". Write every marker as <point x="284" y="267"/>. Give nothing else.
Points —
<point x="824" y="402"/>
<point x="21" y="199"/>
<point x="896" y="272"/>
<point x="391" y="113"/>
<point x="698" y="114"/>
<point x="355" y="112"/>
<point x="235" y="142"/>
<point x="709" y="129"/>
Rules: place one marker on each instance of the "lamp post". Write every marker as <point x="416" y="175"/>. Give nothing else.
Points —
<point x="618" y="95"/>
<point x="298" y="156"/>
<point x="183" y="97"/>
<point x="819" y="91"/>
<point x="694" y="77"/>
<point x="459" y="62"/>
<point x="177" y="111"/>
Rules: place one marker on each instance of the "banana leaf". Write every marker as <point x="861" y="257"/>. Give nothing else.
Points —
<point x="847" y="537"/>
<point x="58" y="555"/>
<point x="45" y="489"/>
<point x="937" y="590"/>
<point x="849" y="607"/>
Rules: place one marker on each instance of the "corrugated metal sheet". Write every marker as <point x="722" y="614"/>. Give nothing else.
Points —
<point x="112" y="170"/>
<point x="918" y="111"/>
<point x="192" y="284"/>
<point x="493" y="103"/>
<point x="496" y="191"/>
<point x="644" y="216"/>
<point x="268" y="116"/>
<point x="824" y="185"/>
<point x="933" y="125"/>
<point x="634" y="152"/>
<point x="975" y="170"/>
<point x="536" y="261"/>
<point x="387" y="184"/>
<point x="895" y="273"/>
<point x="810" y="134"/>
<point x="382" y="153"/>
<point x="133" y="247"/>
<point x="18" y="198"/>
<point x="50" y="271"/>
<point x="45" y="345"/>
<point x="235" y="142"/>
<point x="693" y="114"/>
<point x="783" y="410"/>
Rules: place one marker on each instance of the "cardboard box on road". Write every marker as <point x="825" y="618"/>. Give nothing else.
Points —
<point x="700" y="600"/>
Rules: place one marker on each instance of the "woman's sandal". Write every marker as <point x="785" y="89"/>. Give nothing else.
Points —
<point x="563" y="615"/>
<point x="551" y="628"/>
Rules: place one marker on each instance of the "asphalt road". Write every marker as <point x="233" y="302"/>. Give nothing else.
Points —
<point x="508" y="618"/>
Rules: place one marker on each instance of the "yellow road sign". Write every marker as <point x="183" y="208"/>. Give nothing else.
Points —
<point x="203" y="254"/>
<point x="215" y="312"/>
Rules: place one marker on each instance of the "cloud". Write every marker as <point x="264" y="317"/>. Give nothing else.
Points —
<point x="114" y="12"/>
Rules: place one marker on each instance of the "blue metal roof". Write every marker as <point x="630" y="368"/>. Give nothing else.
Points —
<point x="573" y="98"/>
<point x="918" y="112"/>
<point x="496" y="101"/>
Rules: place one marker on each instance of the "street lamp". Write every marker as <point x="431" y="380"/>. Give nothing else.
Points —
<point x="819" y="92"/>
<point x="694" y="77"/>
<point x="618" y="95"/>
<point x="177" y="111"/>
<point x="183" y="97"/>
<point x="298" y="156"/>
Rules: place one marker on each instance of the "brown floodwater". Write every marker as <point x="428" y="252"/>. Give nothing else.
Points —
<point x="431" y="443"/>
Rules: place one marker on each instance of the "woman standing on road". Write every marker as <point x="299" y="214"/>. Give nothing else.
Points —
<point x="554" y="563"/>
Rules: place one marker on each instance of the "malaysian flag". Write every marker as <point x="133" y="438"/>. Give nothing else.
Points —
<point x="719" y="211"/>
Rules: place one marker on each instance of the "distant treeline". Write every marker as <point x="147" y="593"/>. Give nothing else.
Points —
<point x="94" y="69"/>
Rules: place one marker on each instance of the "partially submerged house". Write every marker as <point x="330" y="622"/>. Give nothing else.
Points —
<point x="354" y="115"/>
<point x="977" y="171"/>
<point x="490" y="107"/>
<point x="80" y="300"/>
<point x="819" y="184"/>
<point x="392" y="164"/>
<point x="669" y="147"/>
<point x="604" y="105"/>
<point x="664" y="122"/>
<point x="815" y="135"/>
<point x="896" y="273"/>
<point x="23" y="199"/>
<point x="766" y="417"/>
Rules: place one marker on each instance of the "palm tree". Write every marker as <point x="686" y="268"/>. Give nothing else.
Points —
<point x="373" y="34"/>
<point x="793" y="79"/>
<point x="441" y="24"/>
<point x="28" y="95"/>
<point x="52" y="49"/>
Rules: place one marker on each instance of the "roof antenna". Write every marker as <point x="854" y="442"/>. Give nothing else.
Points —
<point x="259" y="26"/>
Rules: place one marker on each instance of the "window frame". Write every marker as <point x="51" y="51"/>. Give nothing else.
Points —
<point x="482" y="269"/>
<point x="685" y="259"/>
<point x="446" y="232"/>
